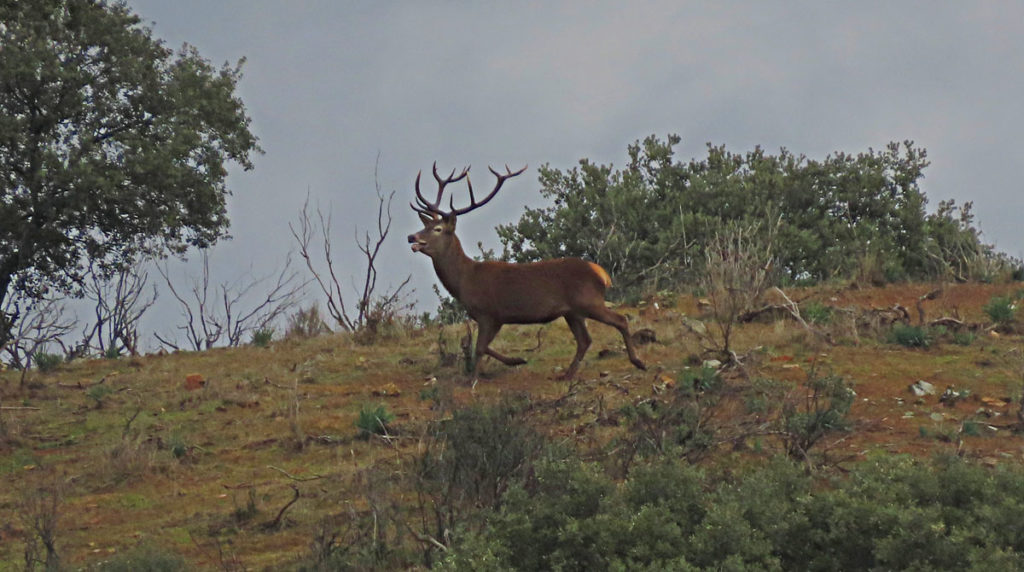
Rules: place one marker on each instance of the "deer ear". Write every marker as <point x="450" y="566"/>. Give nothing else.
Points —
<point x="426" y="220"/>
<point x="449" y="222"/>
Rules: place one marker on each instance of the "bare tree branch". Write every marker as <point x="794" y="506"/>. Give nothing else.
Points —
<point x="371" y="308"/>
<point x="118" y="305"/>
<point x="233" y="310"/>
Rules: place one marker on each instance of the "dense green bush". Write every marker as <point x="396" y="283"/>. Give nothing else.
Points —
<point x="1001" y="310"/>
<point x="46" y="361"/>
<point x="891" y="513"/>
<point x="909" y="336"/>
<point x="847" y="216"/>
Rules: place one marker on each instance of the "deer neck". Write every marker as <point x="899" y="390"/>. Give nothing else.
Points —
<point x="451" y="266"/>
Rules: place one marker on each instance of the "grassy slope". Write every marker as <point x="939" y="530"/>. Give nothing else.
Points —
<point x="201" y="471"/>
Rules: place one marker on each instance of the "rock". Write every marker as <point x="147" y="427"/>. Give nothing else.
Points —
<point x="695" y="326"/>
<point x="387" y="390"/>
<point x="712" y="363"/>
<point x="952" y="395"/>
<point x="921" y="388"/>
<point x="704" y="306"/>
<point x="644" y="336"/>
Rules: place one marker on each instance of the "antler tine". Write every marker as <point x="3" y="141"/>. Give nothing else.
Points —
<point x="434" y="208"/>
<point x="424" y="207"/>
<point x="473" y="204"/>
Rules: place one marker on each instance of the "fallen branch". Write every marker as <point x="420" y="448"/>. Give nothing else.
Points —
<point x="293" y="477"/>
<point x="794" y="311"/>
<point x="276" y="523"/>
<point x="14" y="408"/>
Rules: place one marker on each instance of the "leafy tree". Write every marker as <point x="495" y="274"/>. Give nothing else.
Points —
<point x="112" y="146"/>
<point x="859" y="216"/>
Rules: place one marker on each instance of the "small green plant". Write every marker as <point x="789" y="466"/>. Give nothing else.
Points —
<point x="145" y="557"/>
<point x="1001" y="310"/>
<point x="373" y="420"/>
<point x="99" y="393"/>
<point x="262" y="337"/>
<point x="46" y="361"/>
<point x="430" y="393"/>
<point x="964" y="338"/>
<point x="909" y="336"/>
<point x="178" y="447"/>
<point x="817" y="313"/>
<point x="449" y="311"/>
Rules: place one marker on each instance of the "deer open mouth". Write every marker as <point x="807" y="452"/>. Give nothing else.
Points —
<point x="418" y="246"/>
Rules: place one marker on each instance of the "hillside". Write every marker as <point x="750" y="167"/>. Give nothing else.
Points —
<point x="248" y="467"/>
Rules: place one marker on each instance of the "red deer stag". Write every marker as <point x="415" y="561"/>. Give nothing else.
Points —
<point x="498" y="293"/>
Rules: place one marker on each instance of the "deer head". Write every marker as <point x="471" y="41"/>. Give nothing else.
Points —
<point x="438" y="233"/>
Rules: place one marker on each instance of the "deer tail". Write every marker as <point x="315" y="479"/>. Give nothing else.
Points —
<point x="601" y="273"/>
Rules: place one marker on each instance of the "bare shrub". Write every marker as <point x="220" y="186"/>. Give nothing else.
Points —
<point x="226" y="314"/>
<point x="371" y="310"/>
<point x="306" y="323"/>
<point x="118" y="305"/>
<point x="35" y="324"/>
<point x="40" y="515"/>
<point x="739" y="269"/>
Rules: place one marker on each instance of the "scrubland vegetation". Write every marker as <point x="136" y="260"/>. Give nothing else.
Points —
<point x="835" y="371"/>
<point x="329" y="452"/>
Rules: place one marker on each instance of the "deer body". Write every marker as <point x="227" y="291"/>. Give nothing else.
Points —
<point x="498" y="293"/>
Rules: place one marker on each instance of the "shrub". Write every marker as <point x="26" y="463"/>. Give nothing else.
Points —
<point x="1001" y="310"/>
<point x="306" y="323"/>
<point x="46" y="361"/>
<point x="817" y="313"/>
<point x="820" y="411"/>
<point x="909" y="336"/>
<point x="677" y="422"/>
<point x="145" y="558"/>
<point x="99" y="393"/>
<point x="262" y="337"/>
<point x="964" y="338"/>
<point x="889" y="513"/>
<point x="450" y="310"/>
<point x="373" y="420"/>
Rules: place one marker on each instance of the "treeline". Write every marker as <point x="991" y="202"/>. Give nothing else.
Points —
<point x="844" y="217"/>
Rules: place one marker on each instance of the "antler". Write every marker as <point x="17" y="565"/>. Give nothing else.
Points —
<point x="429" y="208"/>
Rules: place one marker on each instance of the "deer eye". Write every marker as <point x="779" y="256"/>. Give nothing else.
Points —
<point x="437" y="229"/>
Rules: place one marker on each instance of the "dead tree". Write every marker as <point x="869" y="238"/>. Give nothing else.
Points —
<point x="313" y="227"/>
<point x="35" y="324"/>
<point x="224" y="314"/>
<point x="118" y="305"/>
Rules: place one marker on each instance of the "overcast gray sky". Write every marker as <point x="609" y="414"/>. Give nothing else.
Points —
<point x="330" y="84"/>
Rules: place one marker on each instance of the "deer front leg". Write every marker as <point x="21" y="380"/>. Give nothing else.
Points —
<point x="488" y="330"/>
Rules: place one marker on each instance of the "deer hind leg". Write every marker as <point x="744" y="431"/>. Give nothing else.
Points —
<point x="578" y="326"/>
<point x="619" y="322"/>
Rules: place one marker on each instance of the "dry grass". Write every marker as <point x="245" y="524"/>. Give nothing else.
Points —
<point x="206" y="472"/>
